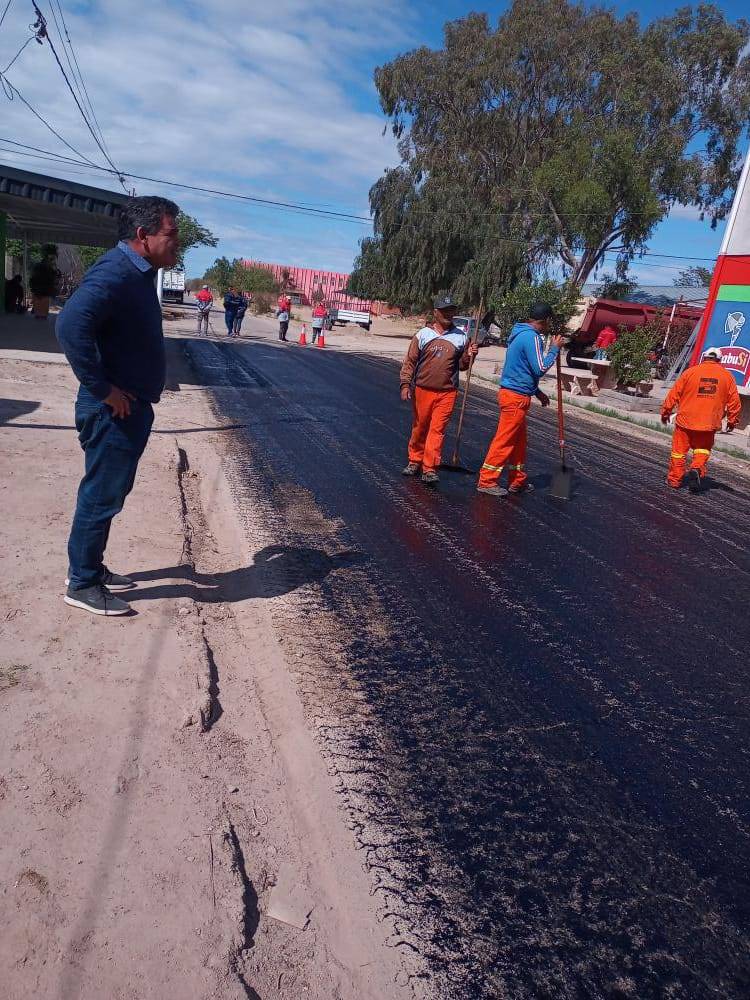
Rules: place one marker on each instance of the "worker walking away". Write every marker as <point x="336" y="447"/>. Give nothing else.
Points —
<point x="429" y="378"/>
<point x="232" y="302"/>
<point x="702" y="395"/>
<point x="525" y="363"/>
<point x="205" y="301"/>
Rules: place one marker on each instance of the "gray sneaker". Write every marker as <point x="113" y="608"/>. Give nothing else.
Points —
<point x="526" y="488"/>
<point x="97" y="600"/>
<point x="112" y="581"/>
<point x="493" y="491"/>
<point x="430" y="478"/>
<point x="412" y="469"/>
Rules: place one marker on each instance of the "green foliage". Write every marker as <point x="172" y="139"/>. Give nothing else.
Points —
<point x="225" y="273"/>
<point x="695" y="277"/>
<point x="630" y="352"/>
<point x="613" y="287"/>
<point x="89" y="256"/>
<point x="192" y="234"/>
<point x="564" y="134"/>
<point x="14" y="248"/>
<point x="514" y="305"/>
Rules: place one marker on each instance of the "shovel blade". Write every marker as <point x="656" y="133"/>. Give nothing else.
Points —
<point x="562" y="484"/>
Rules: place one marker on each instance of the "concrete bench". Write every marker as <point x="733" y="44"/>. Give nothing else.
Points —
<point x="579" y="382"/>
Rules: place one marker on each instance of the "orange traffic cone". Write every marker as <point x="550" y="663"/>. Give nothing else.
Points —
<point x="303" y="336"/>
<point x="321" y="339"/>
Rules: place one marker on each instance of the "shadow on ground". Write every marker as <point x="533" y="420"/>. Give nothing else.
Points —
<point x="275" y="570"/>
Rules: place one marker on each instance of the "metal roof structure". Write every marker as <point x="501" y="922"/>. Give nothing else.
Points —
<point x="52" y="210"/>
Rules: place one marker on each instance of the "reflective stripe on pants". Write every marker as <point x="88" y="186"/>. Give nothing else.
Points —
<point x="508" y="446"/>
<point x="683" y="441"/>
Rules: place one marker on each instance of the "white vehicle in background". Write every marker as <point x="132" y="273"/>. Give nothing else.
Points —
<point x="343" y="316"/>
<point x="469" y="325"/>
<point x="173" y="288"/>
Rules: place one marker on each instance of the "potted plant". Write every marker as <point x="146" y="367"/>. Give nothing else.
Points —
<point x="44" y="281"/>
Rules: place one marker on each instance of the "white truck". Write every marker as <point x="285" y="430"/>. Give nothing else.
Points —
<point x="173" y="288"/>
<point x="343" y="316"/>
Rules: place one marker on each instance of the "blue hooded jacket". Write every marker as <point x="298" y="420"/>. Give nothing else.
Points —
<point x="525" y="361"/>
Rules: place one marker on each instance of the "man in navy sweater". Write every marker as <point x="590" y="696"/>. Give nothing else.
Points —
<point x="111" y="333"/>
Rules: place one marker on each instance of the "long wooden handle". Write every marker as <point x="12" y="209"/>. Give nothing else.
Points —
<point x="466" y="385"/>
<point x="560" y="418"/>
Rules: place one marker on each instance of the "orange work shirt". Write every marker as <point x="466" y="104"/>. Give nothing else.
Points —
<point x="702" y="395"/>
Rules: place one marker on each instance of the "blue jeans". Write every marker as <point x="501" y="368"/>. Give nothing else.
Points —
<point x="600" y="354"/>
<point x="229" y="317"/>
<point x="112" y="448"/>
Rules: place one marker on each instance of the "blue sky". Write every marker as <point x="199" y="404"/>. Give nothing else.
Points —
<point x="269" y="99"/>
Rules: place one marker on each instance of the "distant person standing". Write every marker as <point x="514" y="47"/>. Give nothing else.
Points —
<point x="239" y="315"/>
<point x="284" y="303"/>
<point x="205" y="303"/>
<point x="319" y="315"/>
<point x="111" y="332"/>
<point x="283" y="317"/>
<point x="607" y="337"/>
<point x="232" y="302"/>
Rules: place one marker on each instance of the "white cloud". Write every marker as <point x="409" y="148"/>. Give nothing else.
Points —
<point x="273" y="99"/>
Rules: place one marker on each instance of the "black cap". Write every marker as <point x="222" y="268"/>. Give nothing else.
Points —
<point x="444" y="301"/>
<point x="540" y="311"/>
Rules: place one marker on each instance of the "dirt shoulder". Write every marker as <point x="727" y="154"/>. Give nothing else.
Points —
<point x="167" y="825"/>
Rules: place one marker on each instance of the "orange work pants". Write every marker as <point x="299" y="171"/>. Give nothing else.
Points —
<point x="683" y="440"/>
<point x="508" y="446"/>
<point x="432" y="412"/>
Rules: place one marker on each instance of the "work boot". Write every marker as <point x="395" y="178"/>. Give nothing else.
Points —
<point x="113" y="581"/>
<point x="523" y="488"/>
<point x="412" y="469"/>
<point x="430" y="478"/>
<point x="493" y="491"/>
<point x="97" y="600"/>
<point x="694" y="482"/>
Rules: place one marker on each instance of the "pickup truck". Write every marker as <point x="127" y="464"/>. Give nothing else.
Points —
<point x="343" y="316"/>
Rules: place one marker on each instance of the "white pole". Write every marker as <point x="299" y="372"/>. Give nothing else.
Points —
<point x="159" y="283"/>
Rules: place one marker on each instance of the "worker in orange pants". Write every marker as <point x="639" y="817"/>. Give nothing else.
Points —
<point x="508" y="446"/>
<point x="525" y="363"/>
<point x="429" y="378"/>
<point x="703" y="395"/>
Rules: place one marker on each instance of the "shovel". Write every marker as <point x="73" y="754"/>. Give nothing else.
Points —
<point x="562" y="480"/>
<point x="455" y="464"/>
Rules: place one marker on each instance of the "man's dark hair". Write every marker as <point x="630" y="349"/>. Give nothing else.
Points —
<point x="146" y="212"/>
<point x="540" y="311"/>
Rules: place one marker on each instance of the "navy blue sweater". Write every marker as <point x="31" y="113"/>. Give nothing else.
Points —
<point x="110" y="328"/>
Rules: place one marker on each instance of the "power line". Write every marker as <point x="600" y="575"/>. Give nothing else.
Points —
<point x="7" y="8"/>
<point x="80" y="75"/>
<point x="46" y="35"/>
<point x="303" y="209"/>
<point x="7" y="85"/>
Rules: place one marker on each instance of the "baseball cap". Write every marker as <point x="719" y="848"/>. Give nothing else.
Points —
<point x="713" y="352"/>
<point x="540" y="311"/>
<point x="206" y="287"/>
<point x="444" y="301"/>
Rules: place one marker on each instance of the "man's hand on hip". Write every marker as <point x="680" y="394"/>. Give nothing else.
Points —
<point x="119" y="402"/>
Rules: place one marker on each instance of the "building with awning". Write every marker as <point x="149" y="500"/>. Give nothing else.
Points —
<point x="35" y="208"/>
